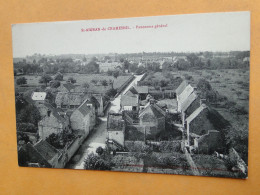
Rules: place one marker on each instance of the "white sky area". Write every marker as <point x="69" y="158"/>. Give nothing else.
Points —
<point x="225" y="31"/>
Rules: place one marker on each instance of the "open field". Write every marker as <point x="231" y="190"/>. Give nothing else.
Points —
<point x="232" y="83"/>
<point x="80" y="78"/>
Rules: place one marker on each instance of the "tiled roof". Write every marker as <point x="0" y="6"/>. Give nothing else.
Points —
<point x="129" y="100"/>
<point x="188" y="101"/>
<point x="141" y="89"/>
<point x="157" y="111"/>
<point x="69" y="86"/>
<point x="181" y="87"/>
<point x="46" y="150"/>
<point x="69" y="98"/>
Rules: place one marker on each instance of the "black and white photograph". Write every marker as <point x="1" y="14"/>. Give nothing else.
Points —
<point x="161" y="94"/>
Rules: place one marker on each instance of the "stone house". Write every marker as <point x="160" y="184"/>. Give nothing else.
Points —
<point x="116" y="130"/>
<point x="152" y="117"/>
<point x="54" y="122"/>
<point x="201" y="121"/>
<point x="42" y="154"/>
<point x="84" y="117"/>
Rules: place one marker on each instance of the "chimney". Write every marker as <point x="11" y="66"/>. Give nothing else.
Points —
<point x="49" y="113"/>
<point x="202" y="101"/>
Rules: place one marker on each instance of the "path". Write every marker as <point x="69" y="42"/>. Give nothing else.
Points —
<point x="98" y="135"/>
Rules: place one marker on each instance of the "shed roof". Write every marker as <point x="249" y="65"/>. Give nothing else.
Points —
<point x="39" y="96"/>
<point x="141" y="89"/>
<point x="196" y="113"/>
<point x="129" y="100"/>
<point x="188" y="101"/>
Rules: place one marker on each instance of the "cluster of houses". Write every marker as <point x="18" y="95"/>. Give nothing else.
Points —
<point x="141" y="119"/>
<point x="75" y="114"/>
<point x="202" y="126"/>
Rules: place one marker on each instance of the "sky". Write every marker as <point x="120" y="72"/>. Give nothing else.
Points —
<point x="227" y="31"/>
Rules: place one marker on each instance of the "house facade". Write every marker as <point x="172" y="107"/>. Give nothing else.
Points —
<point x="116" y="129"/>
<point x="152" y="117"/>
<point x="84" y="117"/>
<point x="54" y="122"/>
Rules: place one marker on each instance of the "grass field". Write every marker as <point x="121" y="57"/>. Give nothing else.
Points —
<point x="80" y="78"/>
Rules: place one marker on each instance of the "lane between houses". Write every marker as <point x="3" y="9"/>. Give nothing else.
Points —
<point x="97" y="137"/>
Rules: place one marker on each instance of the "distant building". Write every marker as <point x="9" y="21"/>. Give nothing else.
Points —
<point x="39" y="96"/>
<point x="67" y="87"/>
<point x="54" y="122"/>
<point x="67" y="100"/>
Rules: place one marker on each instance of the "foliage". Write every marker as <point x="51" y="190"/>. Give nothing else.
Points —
<point x="45" y="79"/>
<point x="111" y="92"/>
<point x="237" y="137"/>
<point x="28" y="114"/>
<point x="99" y="150"/>
<point x="58" y="77"/>
<point x="26" y="127"/>
<point x="95" y="162"/>
<point x="21" y="81"/>
<point x="55" y="84"/>
<point x="72" y="80"/>
<point x="104" y="82"/>
<point x="167" y="146"/>
<point x="61" y="139"/>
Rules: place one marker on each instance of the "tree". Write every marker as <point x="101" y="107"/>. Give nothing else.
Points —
<point x="94" y="81"/>
<point x="95" y="162"/>
<point x="58" y="77"/>
<point x="21" y="81"/>
<point x="115" y="74"/>
<point x="72" y="80"/>
<point x="55" y="84"/>
<point x="104" y="82"/>
<point x="45" y="79"/>
<point x="99" y="150"/>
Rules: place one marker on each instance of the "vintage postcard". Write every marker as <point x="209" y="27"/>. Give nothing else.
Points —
<point x="160" y="94"/>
